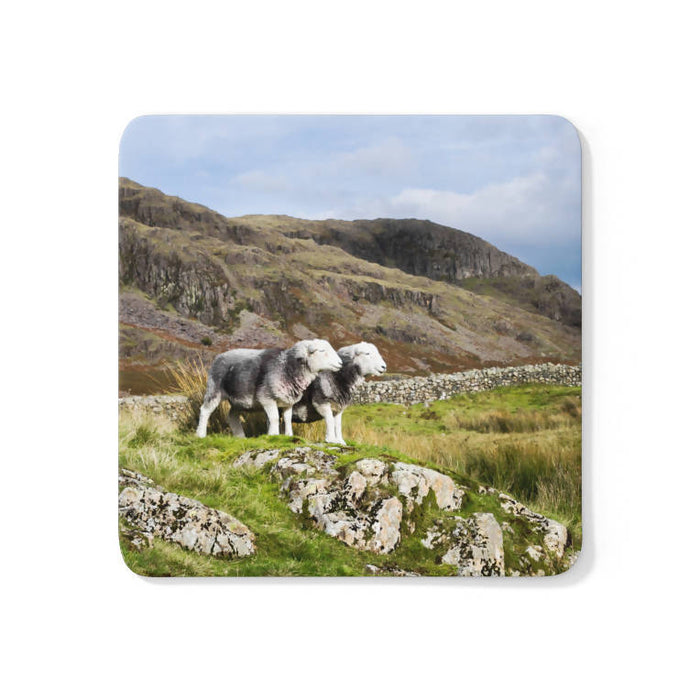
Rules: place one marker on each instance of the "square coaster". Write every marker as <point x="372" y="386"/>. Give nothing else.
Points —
<point x="350" y="345"/>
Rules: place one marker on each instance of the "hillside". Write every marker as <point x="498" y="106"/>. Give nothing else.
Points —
<point x="441" y="253"/>
<point x="193" y="282"/>
<point x="283" y="506"/>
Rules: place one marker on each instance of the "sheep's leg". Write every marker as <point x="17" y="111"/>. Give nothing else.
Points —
<point x="326" y="412"/>
<point x="287" y="417"/>
<point x="273" y="418"/>
<point x="339" y="428"/>
<point x="208" y="407"/>
<point x="235" y="422"/>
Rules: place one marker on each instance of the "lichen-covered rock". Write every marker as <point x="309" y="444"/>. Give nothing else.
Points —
<point x="152" y="512"/>
<point x="371" y="504"/>
<point x="415" y="482"/>
<point x="374" y="470"/>
<point x="255" y="459"/>
<point x="556" y="536"/>
<point x="337" y="509"/>
<point x="386" y="526"/>
<point x="474" y="544"/>
<point x="356" y="509"/>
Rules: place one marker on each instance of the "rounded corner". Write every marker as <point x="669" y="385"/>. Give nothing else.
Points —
<point x="125" y="562"/>
<point x="570" y="124"/>
<point x="129" y="126"/>
<point x="572" y="566"/>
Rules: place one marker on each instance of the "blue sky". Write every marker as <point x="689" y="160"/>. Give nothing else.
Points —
<point x="514" y="181"/>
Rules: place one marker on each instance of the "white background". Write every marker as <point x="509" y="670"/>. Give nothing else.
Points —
<point x="77" y="623"/>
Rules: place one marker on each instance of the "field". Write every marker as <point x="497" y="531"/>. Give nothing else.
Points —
<point x="523" y="440"/>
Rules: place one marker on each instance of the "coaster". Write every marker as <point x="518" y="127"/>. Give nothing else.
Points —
<point x="350" y="346"/>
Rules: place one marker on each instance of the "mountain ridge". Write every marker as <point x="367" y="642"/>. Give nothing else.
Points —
<point x="257" y="279"/>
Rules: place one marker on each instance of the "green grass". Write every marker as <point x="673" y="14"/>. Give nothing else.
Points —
<point x="202" y="469"/>
<point x="523" y="440"/>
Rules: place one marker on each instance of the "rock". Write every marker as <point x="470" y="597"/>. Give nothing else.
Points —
<point x="137" y="538"/>
<point x="386" y="526"/>
<point x="475" y="545"/>
<point x="535" y="552"/>
<point x="129" y="478"/>
<point x="189" y="523"/>
<point x="355" y="486"/>
<point x="376" y="529"/>
<point x="414" y="482"/>
<point x="353" y="510"/>
<point x="374" y="470"/>
<point x="255" y="458"/>
<point x="556" y="535"/>
<point x="300" y="492"/>
<point x="389" y="571"/>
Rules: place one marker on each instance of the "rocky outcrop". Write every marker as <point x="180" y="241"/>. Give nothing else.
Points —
<point x="474" y="545"/>
<point x="415" y="246"/>
<point x="150" y="512"/>
<point x="374" y="504"/>
<point x="446" y="254"/>
<point x="555" y="535"/>
<point x="189" y="281"/>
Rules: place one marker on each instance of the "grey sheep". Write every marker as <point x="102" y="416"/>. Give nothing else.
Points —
<point x="267" y="379"/>
<point x="331" y="392"/>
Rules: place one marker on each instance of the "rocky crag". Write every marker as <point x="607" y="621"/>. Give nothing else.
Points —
<point x="372" y="505"/>
<point x="439" y="252"/>
<point x="194" y="283"/>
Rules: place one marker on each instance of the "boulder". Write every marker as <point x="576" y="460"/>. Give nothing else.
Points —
<point x="556" y="536"/>
<point x="415" y="482"/>
<point x="474" y="544"/>
<point x="149" y="512"/>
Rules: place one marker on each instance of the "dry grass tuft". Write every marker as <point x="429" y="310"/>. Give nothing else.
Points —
<point x="190" y="380"/>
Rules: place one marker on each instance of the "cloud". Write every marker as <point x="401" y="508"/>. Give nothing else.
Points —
<point x="384" y="158"/>
<point x="533" y="207"/>
<point x="261" y="181"/>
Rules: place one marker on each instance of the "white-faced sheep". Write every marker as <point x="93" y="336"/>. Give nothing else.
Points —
<point x="331" y="392"/>
<point x="267" y="379"/>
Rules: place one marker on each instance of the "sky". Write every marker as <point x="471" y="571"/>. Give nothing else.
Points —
<point x="514" y="181"/>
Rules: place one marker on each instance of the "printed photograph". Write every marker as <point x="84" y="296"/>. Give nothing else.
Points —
<point x="350" y="346"/>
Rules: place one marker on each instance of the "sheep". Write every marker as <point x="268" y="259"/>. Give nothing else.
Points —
<point x="270" y="379"/>
<point x="331" y="392"/>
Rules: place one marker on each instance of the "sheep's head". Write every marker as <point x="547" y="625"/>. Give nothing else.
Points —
<point x="318" y="355"/>
<point x="365" y="357"/>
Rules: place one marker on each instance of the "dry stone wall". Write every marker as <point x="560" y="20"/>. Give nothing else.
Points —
<point x="441" y="386"/>
<point x="414" y="390"/>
